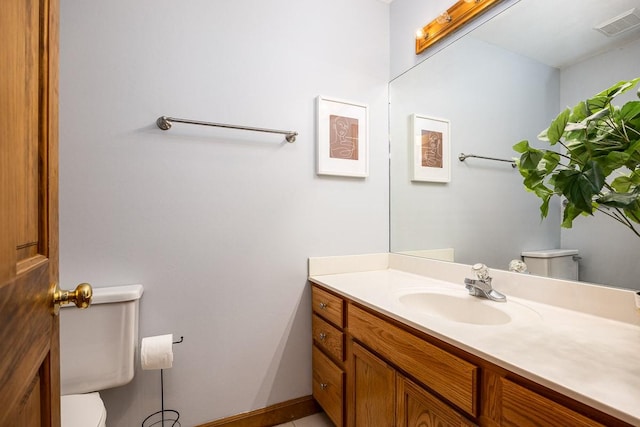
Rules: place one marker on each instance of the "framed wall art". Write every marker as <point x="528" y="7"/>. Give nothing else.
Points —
<point x="431" y="149"/>
<point x="342" y="140"/>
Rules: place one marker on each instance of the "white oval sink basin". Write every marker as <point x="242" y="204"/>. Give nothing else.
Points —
<point x="458" y="306"/>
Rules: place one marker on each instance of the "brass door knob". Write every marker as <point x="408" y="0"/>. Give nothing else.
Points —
<point x="81" y="296"/>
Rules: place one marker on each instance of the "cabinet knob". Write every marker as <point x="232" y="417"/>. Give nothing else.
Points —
<point x="323" y="336"/>
<point x="324" y="305"/>
<point x="324" y="386"/>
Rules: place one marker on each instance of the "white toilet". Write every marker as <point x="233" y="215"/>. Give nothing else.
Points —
<point x="558" y="263"/>
<point x="97" y="351"/>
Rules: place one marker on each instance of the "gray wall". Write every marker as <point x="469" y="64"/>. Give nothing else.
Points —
<point x="607" y="248"/>
<point x="483" y="213"/>
<point x="216" y="224"/>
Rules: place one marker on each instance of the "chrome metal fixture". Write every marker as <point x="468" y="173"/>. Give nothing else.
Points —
<point x="481" y="285"/>
<point x="164" y="123"/>
<point x="462" y="157"/>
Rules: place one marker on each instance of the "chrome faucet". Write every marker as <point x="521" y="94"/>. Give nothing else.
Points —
<point x="481" y="285"/>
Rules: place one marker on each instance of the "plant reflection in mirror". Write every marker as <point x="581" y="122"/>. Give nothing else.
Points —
<point x="596" y="161"/>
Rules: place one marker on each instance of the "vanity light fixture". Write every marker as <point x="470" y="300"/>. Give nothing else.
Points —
<point x="450" y="20"/>
<point x="443" y="18"/>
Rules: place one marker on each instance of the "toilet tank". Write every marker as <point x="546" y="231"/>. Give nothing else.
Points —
<point x="98" y="345"/>
<point x="558" y="263"/>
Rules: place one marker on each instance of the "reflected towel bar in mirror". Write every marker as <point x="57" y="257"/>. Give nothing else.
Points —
<point x="164" y="123"/>
<point x="462" y="157"/>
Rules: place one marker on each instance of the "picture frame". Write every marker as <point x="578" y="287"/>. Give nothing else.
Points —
<point x="431" y="149"/>
<point x="342" y="138"/>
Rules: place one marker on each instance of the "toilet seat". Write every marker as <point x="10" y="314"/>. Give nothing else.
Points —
<point x="83" y="410"/>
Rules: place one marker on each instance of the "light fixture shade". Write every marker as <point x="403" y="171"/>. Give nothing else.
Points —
<point x="443" y="18"/>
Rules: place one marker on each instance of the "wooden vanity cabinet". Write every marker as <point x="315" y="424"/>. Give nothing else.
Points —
<point x="328" y="353"/>
<point x="369" y="371"/>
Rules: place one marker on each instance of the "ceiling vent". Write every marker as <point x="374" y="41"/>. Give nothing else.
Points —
<point x="621" y="23"/>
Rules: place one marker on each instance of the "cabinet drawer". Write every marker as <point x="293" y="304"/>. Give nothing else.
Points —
<point x="329" y="338"/>
<point x="328" y="306"/>
<point x="450" y="376"/>
<point x="521" y="407"/>
<point x="328" y="386"/>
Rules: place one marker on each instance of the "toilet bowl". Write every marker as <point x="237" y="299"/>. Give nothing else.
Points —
<point x="83" y="410"/>
<point x="97" y="352"/>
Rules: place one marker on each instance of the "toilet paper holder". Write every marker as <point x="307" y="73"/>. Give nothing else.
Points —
<point x="158" y="418"/>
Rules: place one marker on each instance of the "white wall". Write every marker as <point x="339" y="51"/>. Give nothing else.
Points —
<point x="216" y="224"/>
<point x="606" y="247"/>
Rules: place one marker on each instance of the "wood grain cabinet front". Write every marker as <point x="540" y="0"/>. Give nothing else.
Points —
<point x="372" y="386"/>
<point x="328" y="306"/>
<point x="328" y="338"/>
<point x="328" y="386"/>
<point x="417" y="407"/>
<point x="523" y="407"/>
<point x="370" y="370"/>
<point x="448" y="375"/>
<point x="328" y="353"/>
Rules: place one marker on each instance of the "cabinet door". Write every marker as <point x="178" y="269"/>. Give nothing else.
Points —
<point x="417" y="407"/>
<point x="373" y="385"/>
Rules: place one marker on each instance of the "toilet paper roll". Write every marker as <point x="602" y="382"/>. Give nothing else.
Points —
<point x="157" y="352"/>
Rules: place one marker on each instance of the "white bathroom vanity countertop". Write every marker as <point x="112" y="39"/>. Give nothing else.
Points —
<point x="560" y="339"/>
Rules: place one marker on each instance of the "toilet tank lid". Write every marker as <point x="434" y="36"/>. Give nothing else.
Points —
<point x="550" y="253"/>
<point x="116" y="294"/>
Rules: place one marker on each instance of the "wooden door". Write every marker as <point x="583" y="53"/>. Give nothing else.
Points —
<point x="29" y="353"/>
<point x="373" y="390"/>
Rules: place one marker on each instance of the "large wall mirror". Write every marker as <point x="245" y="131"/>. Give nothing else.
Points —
<point x="499" y="84"/>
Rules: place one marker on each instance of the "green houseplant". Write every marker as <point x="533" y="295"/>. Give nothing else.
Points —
<point x="593" y="159"/>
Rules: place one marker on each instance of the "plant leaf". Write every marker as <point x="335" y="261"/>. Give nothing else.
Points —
<point x="618" y="88"/>
<point x="555" y="131"/>
<point x="579" y="112"/>
<point x="597" y="103"/>
<point x="550" y="161"/>
<point x="521" y="146"/>
<point x="576" y="187"/>
<point x="570" y="213"/>
<point x="533" y="178"/>
<point x="593" y="172"/>
<point x="614" y="160"/>
<point x="633" y="214"/>
<point x="544" y="207"/>
<point x="621" y="184"/>
<point x="620" y="200"/>
<point x="630" y="111"/>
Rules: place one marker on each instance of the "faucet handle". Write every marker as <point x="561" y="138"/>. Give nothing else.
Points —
<point x="481" y="271"/>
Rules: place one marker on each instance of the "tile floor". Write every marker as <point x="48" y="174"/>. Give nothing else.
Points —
<point x="315" y="420"/>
